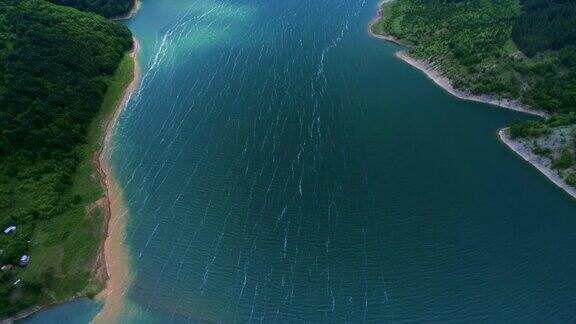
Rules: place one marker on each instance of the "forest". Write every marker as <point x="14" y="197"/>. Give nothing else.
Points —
<point x="57" y="67"/>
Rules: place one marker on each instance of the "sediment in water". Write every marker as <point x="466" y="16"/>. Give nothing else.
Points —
<point x="114" y="254"/>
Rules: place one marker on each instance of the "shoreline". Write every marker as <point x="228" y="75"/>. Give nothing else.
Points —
<point x="376" y="19"/>
<point x="130" y="14"/>
<point x="99" y="160"/>
<point x="443" y="82"/>
<point x="536" y="161"/>
<point x="113" y="263"/>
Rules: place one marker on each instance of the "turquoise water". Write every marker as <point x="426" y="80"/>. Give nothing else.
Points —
<point x="77" y="311"/>
<point x="281" y="165"/>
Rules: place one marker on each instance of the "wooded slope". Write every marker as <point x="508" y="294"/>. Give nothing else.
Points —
<point x="56" y="65"/>
<point x="106" y="8"/>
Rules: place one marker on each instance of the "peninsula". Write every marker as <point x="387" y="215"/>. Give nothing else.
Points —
<point x="507" y="53"/>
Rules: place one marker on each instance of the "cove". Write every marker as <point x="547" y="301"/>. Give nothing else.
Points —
<point x="279" y="164"/>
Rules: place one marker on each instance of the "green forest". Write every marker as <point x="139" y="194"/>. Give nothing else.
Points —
<point x="58" y="66"/>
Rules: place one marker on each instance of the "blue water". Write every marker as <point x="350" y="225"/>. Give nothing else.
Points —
<point x="280" y="165"/>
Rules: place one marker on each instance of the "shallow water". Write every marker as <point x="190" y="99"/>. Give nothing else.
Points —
<point x="77" y="311"/>
<point x="279" y="164"/>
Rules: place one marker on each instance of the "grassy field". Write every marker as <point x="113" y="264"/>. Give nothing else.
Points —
<point x="63" y="249"/>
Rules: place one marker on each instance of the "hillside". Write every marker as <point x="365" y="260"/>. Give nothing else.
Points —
<point x="471" y="43"/>
<point x="57" y="67"/>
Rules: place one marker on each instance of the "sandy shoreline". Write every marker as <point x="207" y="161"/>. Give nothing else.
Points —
<point x="538" y="162"/>
<point x="113" y="254"/>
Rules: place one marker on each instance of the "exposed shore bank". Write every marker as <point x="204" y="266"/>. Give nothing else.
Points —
<point x="113" y="253"/>
<point x="542" y="164"/>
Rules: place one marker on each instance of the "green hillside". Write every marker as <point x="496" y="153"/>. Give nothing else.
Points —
<point x="494" y="46"/>
<point x="57" y="66"/>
